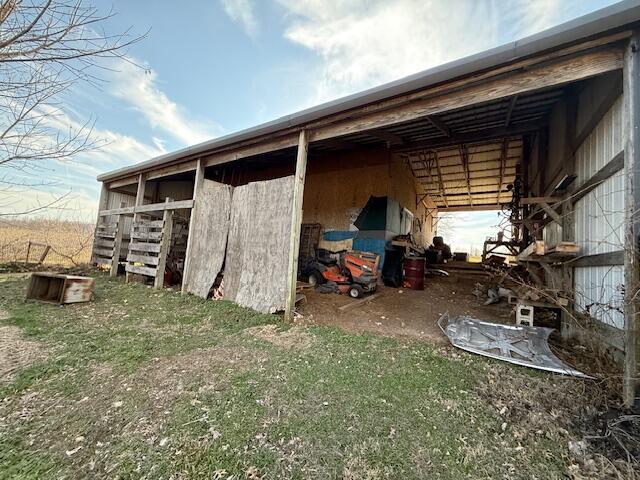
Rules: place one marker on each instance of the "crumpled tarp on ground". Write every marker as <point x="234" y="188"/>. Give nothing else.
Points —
<point x="518" y="344"/>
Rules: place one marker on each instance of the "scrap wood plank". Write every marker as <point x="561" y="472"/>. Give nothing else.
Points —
<point x="144" y="247"/>
<point x="564" y="247"/>
<point x="146" y="259"/>
<point x="101" y="242"/>
<point x="148" y="271"/>
<point x="103" y="252"/>
<point x="146" y="235"/>
<point x="101" y="261"/>
<point x="536" y="248"/>
<point x="359" y="302"/>
<point x="148" y="224"/>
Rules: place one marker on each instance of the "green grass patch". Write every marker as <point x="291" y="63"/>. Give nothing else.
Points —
<point x="148" y="384"/>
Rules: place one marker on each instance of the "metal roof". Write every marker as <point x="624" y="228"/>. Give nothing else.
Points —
<point x="609" y="18"/>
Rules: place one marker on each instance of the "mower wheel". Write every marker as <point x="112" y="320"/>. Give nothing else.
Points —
<point x="356" y="291"/>
<point x="316" y="278"/>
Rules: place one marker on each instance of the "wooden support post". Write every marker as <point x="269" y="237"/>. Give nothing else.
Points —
<point x="44" y="254"/>
<point x="117" y="244"/>
<point x="631" y="88"/>
<point x="296" y="222"/>
<point x="165" y="243"/>
<point x="197" y="185"/>
<point x="26" y="261"/>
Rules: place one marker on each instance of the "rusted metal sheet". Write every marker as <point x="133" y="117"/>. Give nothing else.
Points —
<point x="518" y="344"/>
<point x="59" y="288"/>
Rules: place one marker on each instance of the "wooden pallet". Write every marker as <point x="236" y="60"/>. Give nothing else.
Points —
<point x="107" y="242"/>
<point x="148" y="247"/>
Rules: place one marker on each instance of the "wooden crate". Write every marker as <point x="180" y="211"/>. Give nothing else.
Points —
<point x="59" y="288"/>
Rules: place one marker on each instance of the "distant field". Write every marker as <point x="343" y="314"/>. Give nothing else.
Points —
<point x="70" y="242"/>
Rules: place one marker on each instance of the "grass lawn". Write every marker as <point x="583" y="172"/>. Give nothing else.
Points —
<point x="151" y="384"/>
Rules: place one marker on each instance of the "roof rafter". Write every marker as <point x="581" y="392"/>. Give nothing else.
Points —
<point x="464" y="156"/>
<point x="440" y="125"/>
<point x="389" y="137"/>
<point x="512" y="105"/>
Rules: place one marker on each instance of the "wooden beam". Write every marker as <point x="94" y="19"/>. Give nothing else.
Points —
<point x="485" y="136"/>
<point x="389" y="137"/>
<point x="614" y="166"/>
<point x="296" y="222"/>
<point x="504" y="71"/>
<point x="512" y="105"/>
<point x="440" y="125"/>
<point x="262" y="146"/>
<point x="600" y="111"/>
<point x="475" y="208"/>
<point x="340" y="144"/>
<point x="556" y="73"/>
<point x="149" y="207"/>
<point x="538" y="200"/>
<point x="122" y="182"/>
<point x="631" y="122"/>
<point x="599" y="260"/>
<point x="558" y="59"/>
<point x="196" y="188"/>
<point x="443" y="194"/>
<point x="503" y="165"/>
<point x="464" y="158"/>
<point x="551" y="212"/>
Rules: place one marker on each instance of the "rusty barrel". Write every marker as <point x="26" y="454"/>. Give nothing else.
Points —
<point x="413" y="273"/>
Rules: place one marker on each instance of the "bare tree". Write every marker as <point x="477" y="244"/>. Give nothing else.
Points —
<point x="47" y="46"/>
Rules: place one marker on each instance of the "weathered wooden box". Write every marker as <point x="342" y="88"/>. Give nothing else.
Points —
<point x="58" y="288"/>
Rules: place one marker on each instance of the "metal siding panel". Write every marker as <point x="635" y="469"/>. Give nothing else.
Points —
<point x="599" y="222"/>
<point x="599" y="293"/>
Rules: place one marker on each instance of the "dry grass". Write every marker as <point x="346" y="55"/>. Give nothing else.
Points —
<point x="70" y="241"/>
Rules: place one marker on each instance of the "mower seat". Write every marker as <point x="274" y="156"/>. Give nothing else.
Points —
<point x="328" y="261"/>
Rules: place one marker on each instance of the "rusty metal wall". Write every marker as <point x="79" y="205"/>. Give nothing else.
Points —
<point x="599" y="221"/>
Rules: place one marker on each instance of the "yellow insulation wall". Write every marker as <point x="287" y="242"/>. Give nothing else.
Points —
<point x="338" y="186"/>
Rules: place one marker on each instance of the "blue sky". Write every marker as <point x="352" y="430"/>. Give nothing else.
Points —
<point x="217" y="66"/>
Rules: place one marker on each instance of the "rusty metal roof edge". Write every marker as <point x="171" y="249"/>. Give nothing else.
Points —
<point x="608" y="18"/>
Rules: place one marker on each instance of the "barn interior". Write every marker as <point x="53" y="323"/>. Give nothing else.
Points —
<point x="332" y="214"/>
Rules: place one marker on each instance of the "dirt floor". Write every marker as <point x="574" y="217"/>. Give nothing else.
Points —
<point x="401" y="312"/>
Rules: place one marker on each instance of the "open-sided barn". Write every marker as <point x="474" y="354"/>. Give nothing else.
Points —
<point x="547" y="127"/>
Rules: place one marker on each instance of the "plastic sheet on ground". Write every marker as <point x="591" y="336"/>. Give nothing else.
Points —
<point x="518" y="344"/>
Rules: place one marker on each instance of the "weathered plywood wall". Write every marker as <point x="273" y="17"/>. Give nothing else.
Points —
<point x="258" y="247"/>
<point x="208" y="240"/>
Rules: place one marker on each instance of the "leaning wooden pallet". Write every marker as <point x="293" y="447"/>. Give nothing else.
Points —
<point x="107" y="242"/>
<point x="148" y="248"/>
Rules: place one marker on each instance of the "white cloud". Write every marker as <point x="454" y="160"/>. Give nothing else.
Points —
<point x="242" y="12"/>
<point x="138" y="87"/>
<point x="370" y="42"/>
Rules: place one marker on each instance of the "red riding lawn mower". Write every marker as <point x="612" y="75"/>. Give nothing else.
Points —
<point x="354" y="273"/>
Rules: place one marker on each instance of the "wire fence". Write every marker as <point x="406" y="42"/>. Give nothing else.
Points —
<point x="47" y="242"/>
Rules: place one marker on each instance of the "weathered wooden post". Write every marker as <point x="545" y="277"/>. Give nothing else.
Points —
<point x="631" y="88"/>
<point x="296" y="222"/>
<point x="165" y="244"/>
<point x="117" y="244"/>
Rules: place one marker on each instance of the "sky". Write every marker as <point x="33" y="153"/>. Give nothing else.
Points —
<point x="212" y="67"/>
